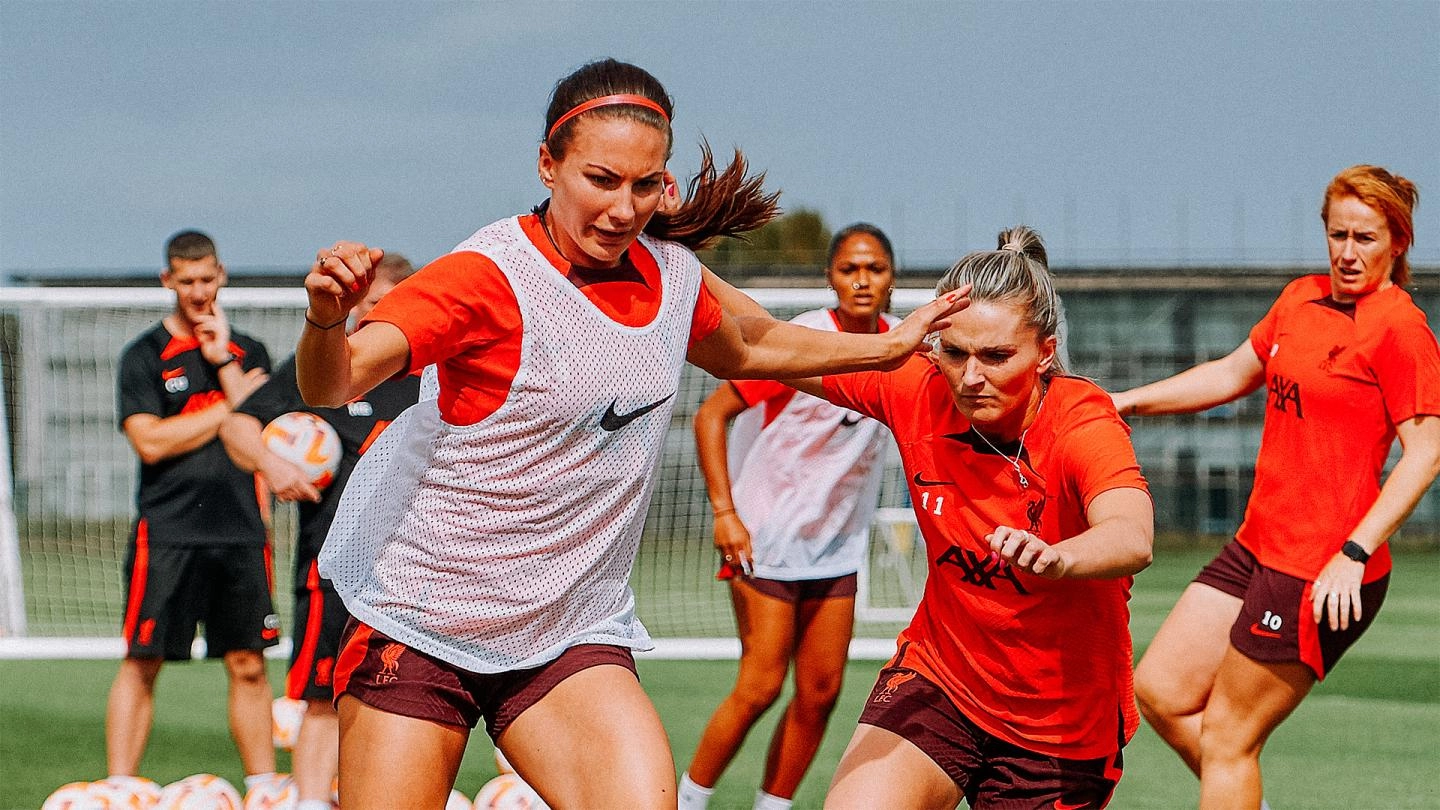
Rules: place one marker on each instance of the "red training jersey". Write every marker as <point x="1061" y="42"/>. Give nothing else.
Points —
<point x="1042" y="664"/>
<point x="1339" y="378"/>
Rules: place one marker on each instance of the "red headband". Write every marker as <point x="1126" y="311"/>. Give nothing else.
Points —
<point x="606" y="101"/>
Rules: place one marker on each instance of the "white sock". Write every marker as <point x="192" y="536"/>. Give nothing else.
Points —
<point x="765" y="801"/>
<point x="314" y="804"/>
<point x="692" y="796"/>
<point x="256" y="778"/>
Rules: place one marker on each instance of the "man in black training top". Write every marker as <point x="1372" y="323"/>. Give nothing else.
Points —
<point x="199" y="552"/>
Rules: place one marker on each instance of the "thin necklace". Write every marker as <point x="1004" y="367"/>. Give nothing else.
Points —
<point x="1014" y="462"/>
<point x="1020" y="451"/>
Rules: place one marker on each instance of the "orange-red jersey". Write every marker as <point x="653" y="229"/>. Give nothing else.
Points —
<point x="1339" y="377"/>
<point x="460" y="313"/>
<point x="1043" y="664"/>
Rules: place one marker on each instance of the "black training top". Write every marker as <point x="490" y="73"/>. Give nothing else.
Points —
<point x="200" y="497"/>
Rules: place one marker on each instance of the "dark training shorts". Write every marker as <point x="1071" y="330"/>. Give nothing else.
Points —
<point x="992" y="773"/>
<point x="1276" y="623"/>
<point x="172" y="589"/>
<point x="385" y="674"/>
<point x="320" y="619"/>
<point x="803" y="590"/>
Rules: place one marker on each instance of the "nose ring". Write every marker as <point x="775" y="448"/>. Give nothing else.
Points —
<point x="855" y="285"/>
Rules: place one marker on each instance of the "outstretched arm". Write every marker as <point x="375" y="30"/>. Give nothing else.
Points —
<point x="1204" y="386"/>
<point x="754" y="347"/>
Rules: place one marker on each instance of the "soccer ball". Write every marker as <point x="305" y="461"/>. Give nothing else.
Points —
<point x="308" y="442"/>
<point x="286" y="715"/>
<point x="508" y="792"/>
<point x="276" y="793"/>
<point x="135" y="792"/>
<point x="502" y="763"/>
<point x="203" y="791"/>
<point x="70" y="796"/>
<point x="457" y="801"/>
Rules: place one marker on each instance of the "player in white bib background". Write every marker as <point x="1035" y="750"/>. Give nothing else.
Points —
<point x="793" y="488"/>
<point x="485" y="541"/>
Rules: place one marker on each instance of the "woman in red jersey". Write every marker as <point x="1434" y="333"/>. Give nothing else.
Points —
<point x="485" y="542"/>
<point x="1349" y="364"/>
<point x="794" y="489"/>
<point x="1011" y="686"/>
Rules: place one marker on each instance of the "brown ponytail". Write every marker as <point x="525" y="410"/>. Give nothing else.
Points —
<point x="717" y="204"/>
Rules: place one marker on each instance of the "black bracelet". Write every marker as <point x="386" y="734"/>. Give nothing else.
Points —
<point x="322" y="327"/>
<point x="227" y="361"/>
<point x="1355" y="551"/>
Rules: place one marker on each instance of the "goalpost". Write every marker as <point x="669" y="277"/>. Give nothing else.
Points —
<point x="66" y="510"/>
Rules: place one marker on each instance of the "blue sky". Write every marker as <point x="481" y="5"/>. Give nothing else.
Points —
<point x="1173" y="133"/>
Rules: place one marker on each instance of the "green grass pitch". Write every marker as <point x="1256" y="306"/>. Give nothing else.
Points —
<point x="1365" y="738"/>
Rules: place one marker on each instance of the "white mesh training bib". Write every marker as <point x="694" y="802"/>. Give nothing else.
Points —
<point x="497" y="546"/>
<point x="806" y="484"/>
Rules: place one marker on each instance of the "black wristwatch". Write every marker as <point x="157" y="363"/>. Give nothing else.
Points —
<point x="227" y="361"/>
<point x="1355" y="551"/>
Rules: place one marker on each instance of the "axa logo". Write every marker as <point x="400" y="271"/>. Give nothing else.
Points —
<point x="389" y="663"/>
<point x="1285" y="392"/>
<point x="982" y="572"/>
<point x="360" y="408"/>
<point x="892" y="683"/>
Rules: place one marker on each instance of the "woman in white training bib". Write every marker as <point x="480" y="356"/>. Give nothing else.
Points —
<point x="485" y="543"/>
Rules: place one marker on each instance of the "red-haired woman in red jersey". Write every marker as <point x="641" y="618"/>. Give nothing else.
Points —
<point x="1350" y="364"/>
<point x="485" y="542"/>
<point x="1011" y="687"/>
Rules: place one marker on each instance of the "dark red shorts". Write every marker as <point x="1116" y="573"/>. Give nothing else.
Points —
<point x="803" y="590"/>
<point x="991" y="772"/>
<point x="170" y="590"/>
<point x="392" y="677"/>
<point x="320" y="619"/>
<point x="1277" y="620"/>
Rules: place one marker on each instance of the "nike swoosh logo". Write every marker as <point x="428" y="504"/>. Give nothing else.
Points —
<point x="921" y="482"/>
<point x="850" y="420"/>
<point x="1256" y="629"/>
<point x="1060" y="804"/>
<point x="613" y="421"/>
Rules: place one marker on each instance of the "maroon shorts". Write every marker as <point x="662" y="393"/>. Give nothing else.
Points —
<point x="991" y="772"/>
<point x="392" y="677"/>
<point x="803" y="590"/>
<point x="1277" y="621"/>
<point x="320" y="620"/>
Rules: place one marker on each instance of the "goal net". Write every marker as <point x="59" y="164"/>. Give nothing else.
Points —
<point x="66" y="510"/>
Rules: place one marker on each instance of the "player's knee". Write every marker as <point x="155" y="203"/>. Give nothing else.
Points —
<point x="758" y="694"/>
<point x="817" y="696"/>
<point x="246" y="668"/>
<point x="1158" y="700"/>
